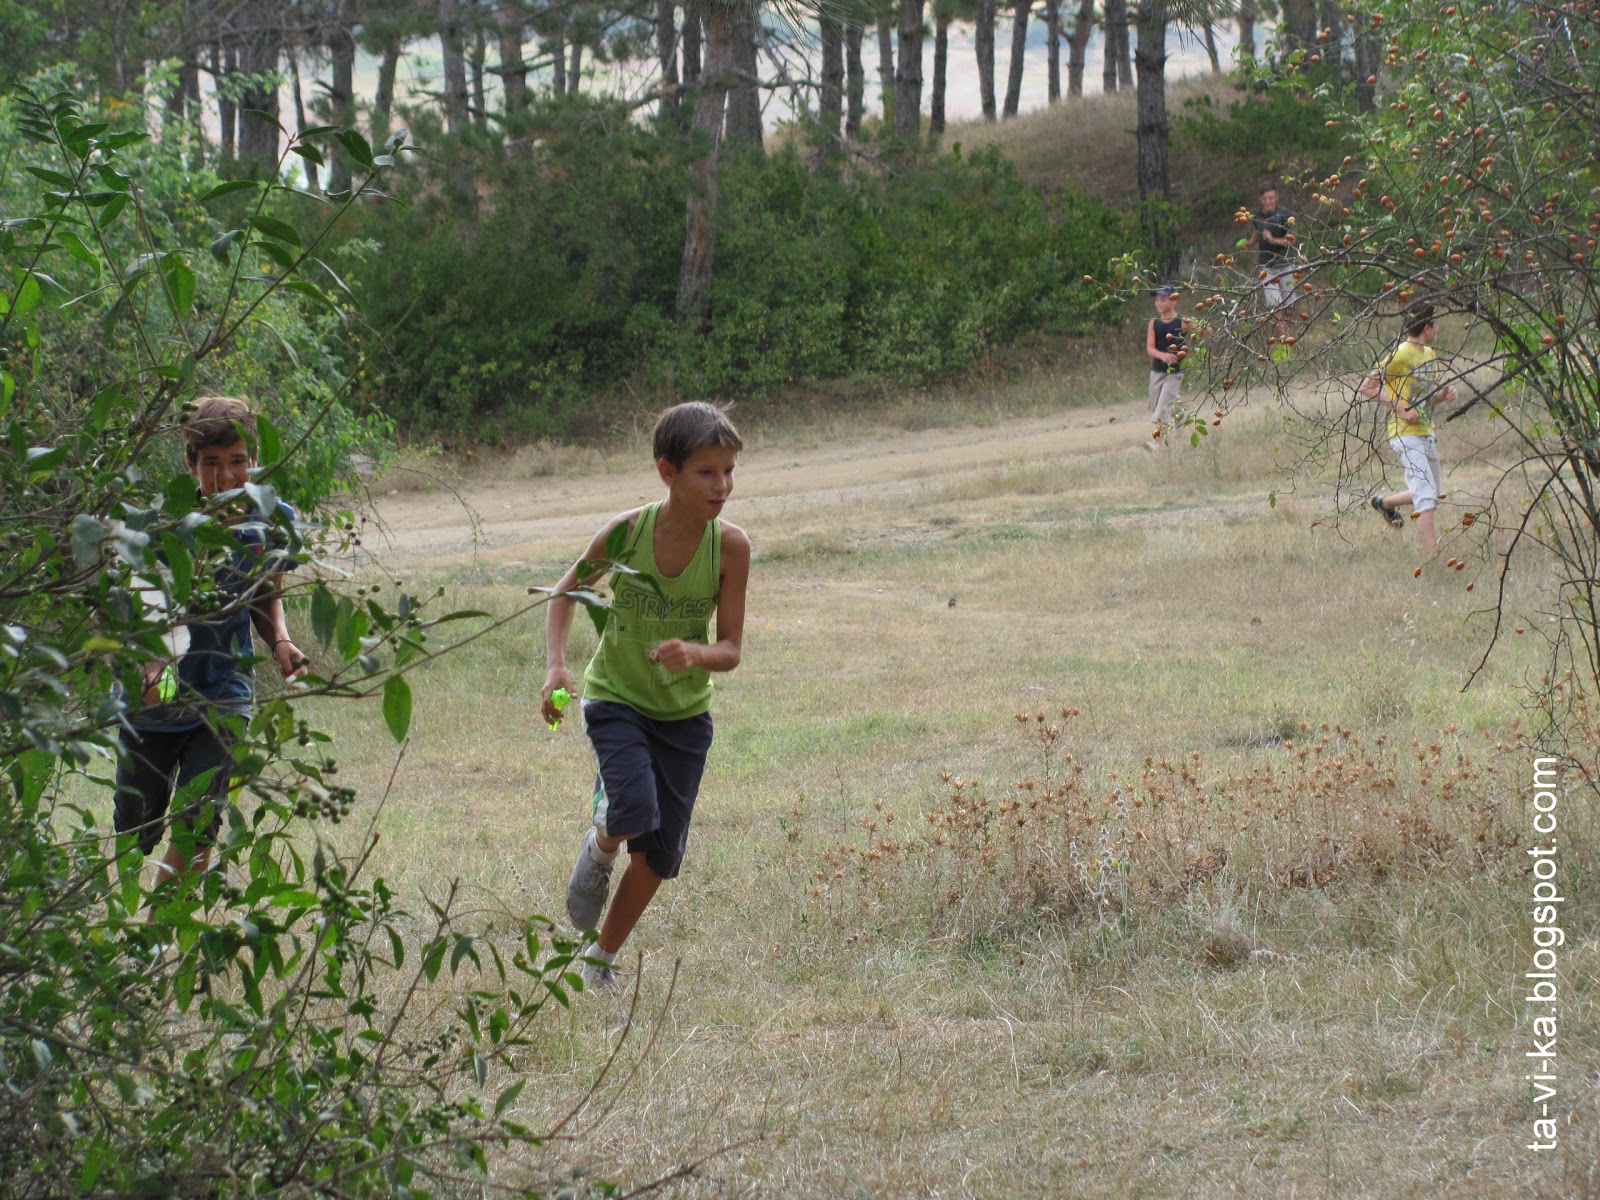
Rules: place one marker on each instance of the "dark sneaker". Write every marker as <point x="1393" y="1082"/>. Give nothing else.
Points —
<point x="1396" y="521"/>
<point x="589" y="887"/>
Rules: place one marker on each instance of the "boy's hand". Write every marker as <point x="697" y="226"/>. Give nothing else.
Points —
<point x="557" y="678"/>
<point x="1447" y="394"/>
<point x="152" y="683"/>
<point x="675" y="654"/>
<point x="291" y="662"/>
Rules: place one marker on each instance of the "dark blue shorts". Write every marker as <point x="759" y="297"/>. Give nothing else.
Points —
<point x="155" y="764"/>
<point x="648" y="777"/>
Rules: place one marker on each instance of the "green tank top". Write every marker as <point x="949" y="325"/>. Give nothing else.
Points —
<point x="642" y="619"/>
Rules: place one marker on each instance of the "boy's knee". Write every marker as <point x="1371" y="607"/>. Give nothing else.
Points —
<point x="639" y="860"/>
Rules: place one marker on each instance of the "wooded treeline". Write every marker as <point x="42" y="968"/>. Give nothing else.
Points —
<point x="742" y="51"/>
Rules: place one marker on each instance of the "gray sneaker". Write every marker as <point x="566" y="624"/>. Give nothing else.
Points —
<point x="600" y="978"/>
<point x="589" y="887"/>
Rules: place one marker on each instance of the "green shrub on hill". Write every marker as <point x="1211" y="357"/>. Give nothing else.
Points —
<point x="557" y="281"/>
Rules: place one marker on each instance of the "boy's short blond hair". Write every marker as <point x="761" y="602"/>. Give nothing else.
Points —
<point x="685" y="428"/>
<point x="218" y="421"/>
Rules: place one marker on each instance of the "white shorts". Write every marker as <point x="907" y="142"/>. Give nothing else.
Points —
<point x="1278" y="287"/>
<point x="1419" y="459"/>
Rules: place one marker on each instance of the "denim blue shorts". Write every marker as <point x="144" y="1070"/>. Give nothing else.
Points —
<point x="647" y="777"/>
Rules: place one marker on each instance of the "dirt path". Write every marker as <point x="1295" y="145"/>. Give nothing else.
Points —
<point x="544" y="518"/>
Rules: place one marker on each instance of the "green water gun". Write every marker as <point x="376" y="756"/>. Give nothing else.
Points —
<point x="559" y="699"/>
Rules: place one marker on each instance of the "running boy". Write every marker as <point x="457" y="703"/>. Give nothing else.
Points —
<point x="647" y="691"/>
<point x="1166" y="341"/>
<point x="1273" y="234"/>
<point x="181" y="730"/>
<point x="1408" y="386"/>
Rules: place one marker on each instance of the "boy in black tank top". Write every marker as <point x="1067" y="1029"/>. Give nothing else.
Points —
<point x="1166" y="341"/>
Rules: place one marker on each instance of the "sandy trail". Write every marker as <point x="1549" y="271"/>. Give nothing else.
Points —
<point x="537" y="519"/>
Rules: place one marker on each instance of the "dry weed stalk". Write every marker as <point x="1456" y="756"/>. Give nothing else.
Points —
<point x="1066" y="842"/>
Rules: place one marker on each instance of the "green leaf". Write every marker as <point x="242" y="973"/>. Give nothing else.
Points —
<point x="617" y="541"/>
<point x="262" y="114"/>
<point x="181" y="563"/>
<point x="397" y="706"/>
<point x="181" y="279"/>
<point x="28" y="296"/>
<point x="227" y="189"/>
<point x="77" y="249"/>
<point x="113" y="209"/>
<point x="54" y="178"/>
<point x="323" y="614"/>
<point x="357" y="146"/>
<point x="278" y="253"/>
<point x="100" y="408"/>
<point x="509" y="1097"/>
<point x="269" y="447"/>
<point x="275" y="228"/>
<point x="308" y="152"/>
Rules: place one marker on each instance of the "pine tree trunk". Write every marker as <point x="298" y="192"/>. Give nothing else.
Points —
<point x="480" y="59"/>
<point x="341" y="101"/>
<point x="983" y="43"/>
<point x="1115" y="15"/>
<point x="455" y="66"/>
<point x="908" y="73"/>
<point x="313" y="183"/>
<point x="1247" y="30"/>
<point x="1368" y="56"/>
<point x="700" y="226"/>
<point x="1078" y="47"/>
<point x="1211" y="48"/>
<point x="830" y="103"/>
<point x="1124" y="49"/>
<point x="224" y="65"/>
<point x="558" y="61"/>
<point x="744" y="93"/>
<point x="941" y="72"/>
<point x="1152" y="133"/>
<point x="1052" y="32"/>
<point x="667" y="56"/>
<point x="855" y="79"/>
<point x="1019" y="50"/>
<point x="1299" y="28"/>
<point x="886" y="69"/>
<point x="575" y="68"/>
<point x="691" y="43"/>
<point x="383" y="99"/>
<point x="259" y="57"/>
<point x="513" y="69"/>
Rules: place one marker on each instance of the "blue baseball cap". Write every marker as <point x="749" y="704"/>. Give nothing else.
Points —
<point x="1166" y="289"/>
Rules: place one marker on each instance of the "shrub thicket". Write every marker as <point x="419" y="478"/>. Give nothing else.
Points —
<point x="257" y="1029"/>
<point x="555" y="281"/>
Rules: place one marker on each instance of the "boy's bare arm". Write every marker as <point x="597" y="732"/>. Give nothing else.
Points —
<point x="724" y="653"/>
<point x="267" y="615"/>
<point x="559" y="612"/>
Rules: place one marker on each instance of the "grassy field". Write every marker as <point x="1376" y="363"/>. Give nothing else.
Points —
<point x="1252" y="925"/>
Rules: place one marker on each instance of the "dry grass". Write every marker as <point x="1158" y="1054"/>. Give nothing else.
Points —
<point x="1087" y="143"/>
<point x="1243" y="1032"/>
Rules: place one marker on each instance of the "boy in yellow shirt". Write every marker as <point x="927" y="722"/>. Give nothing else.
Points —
<point x="1408" y="386"/>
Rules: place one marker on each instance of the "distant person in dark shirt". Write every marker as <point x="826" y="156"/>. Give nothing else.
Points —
<point x="1272" y="234"/>
<point x="1166" y="341"/>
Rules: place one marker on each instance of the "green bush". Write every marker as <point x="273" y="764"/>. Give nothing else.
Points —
<point x="556" y="281"/>
<point x="251" y="1030"/>
<point x="1280" y="123"/>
